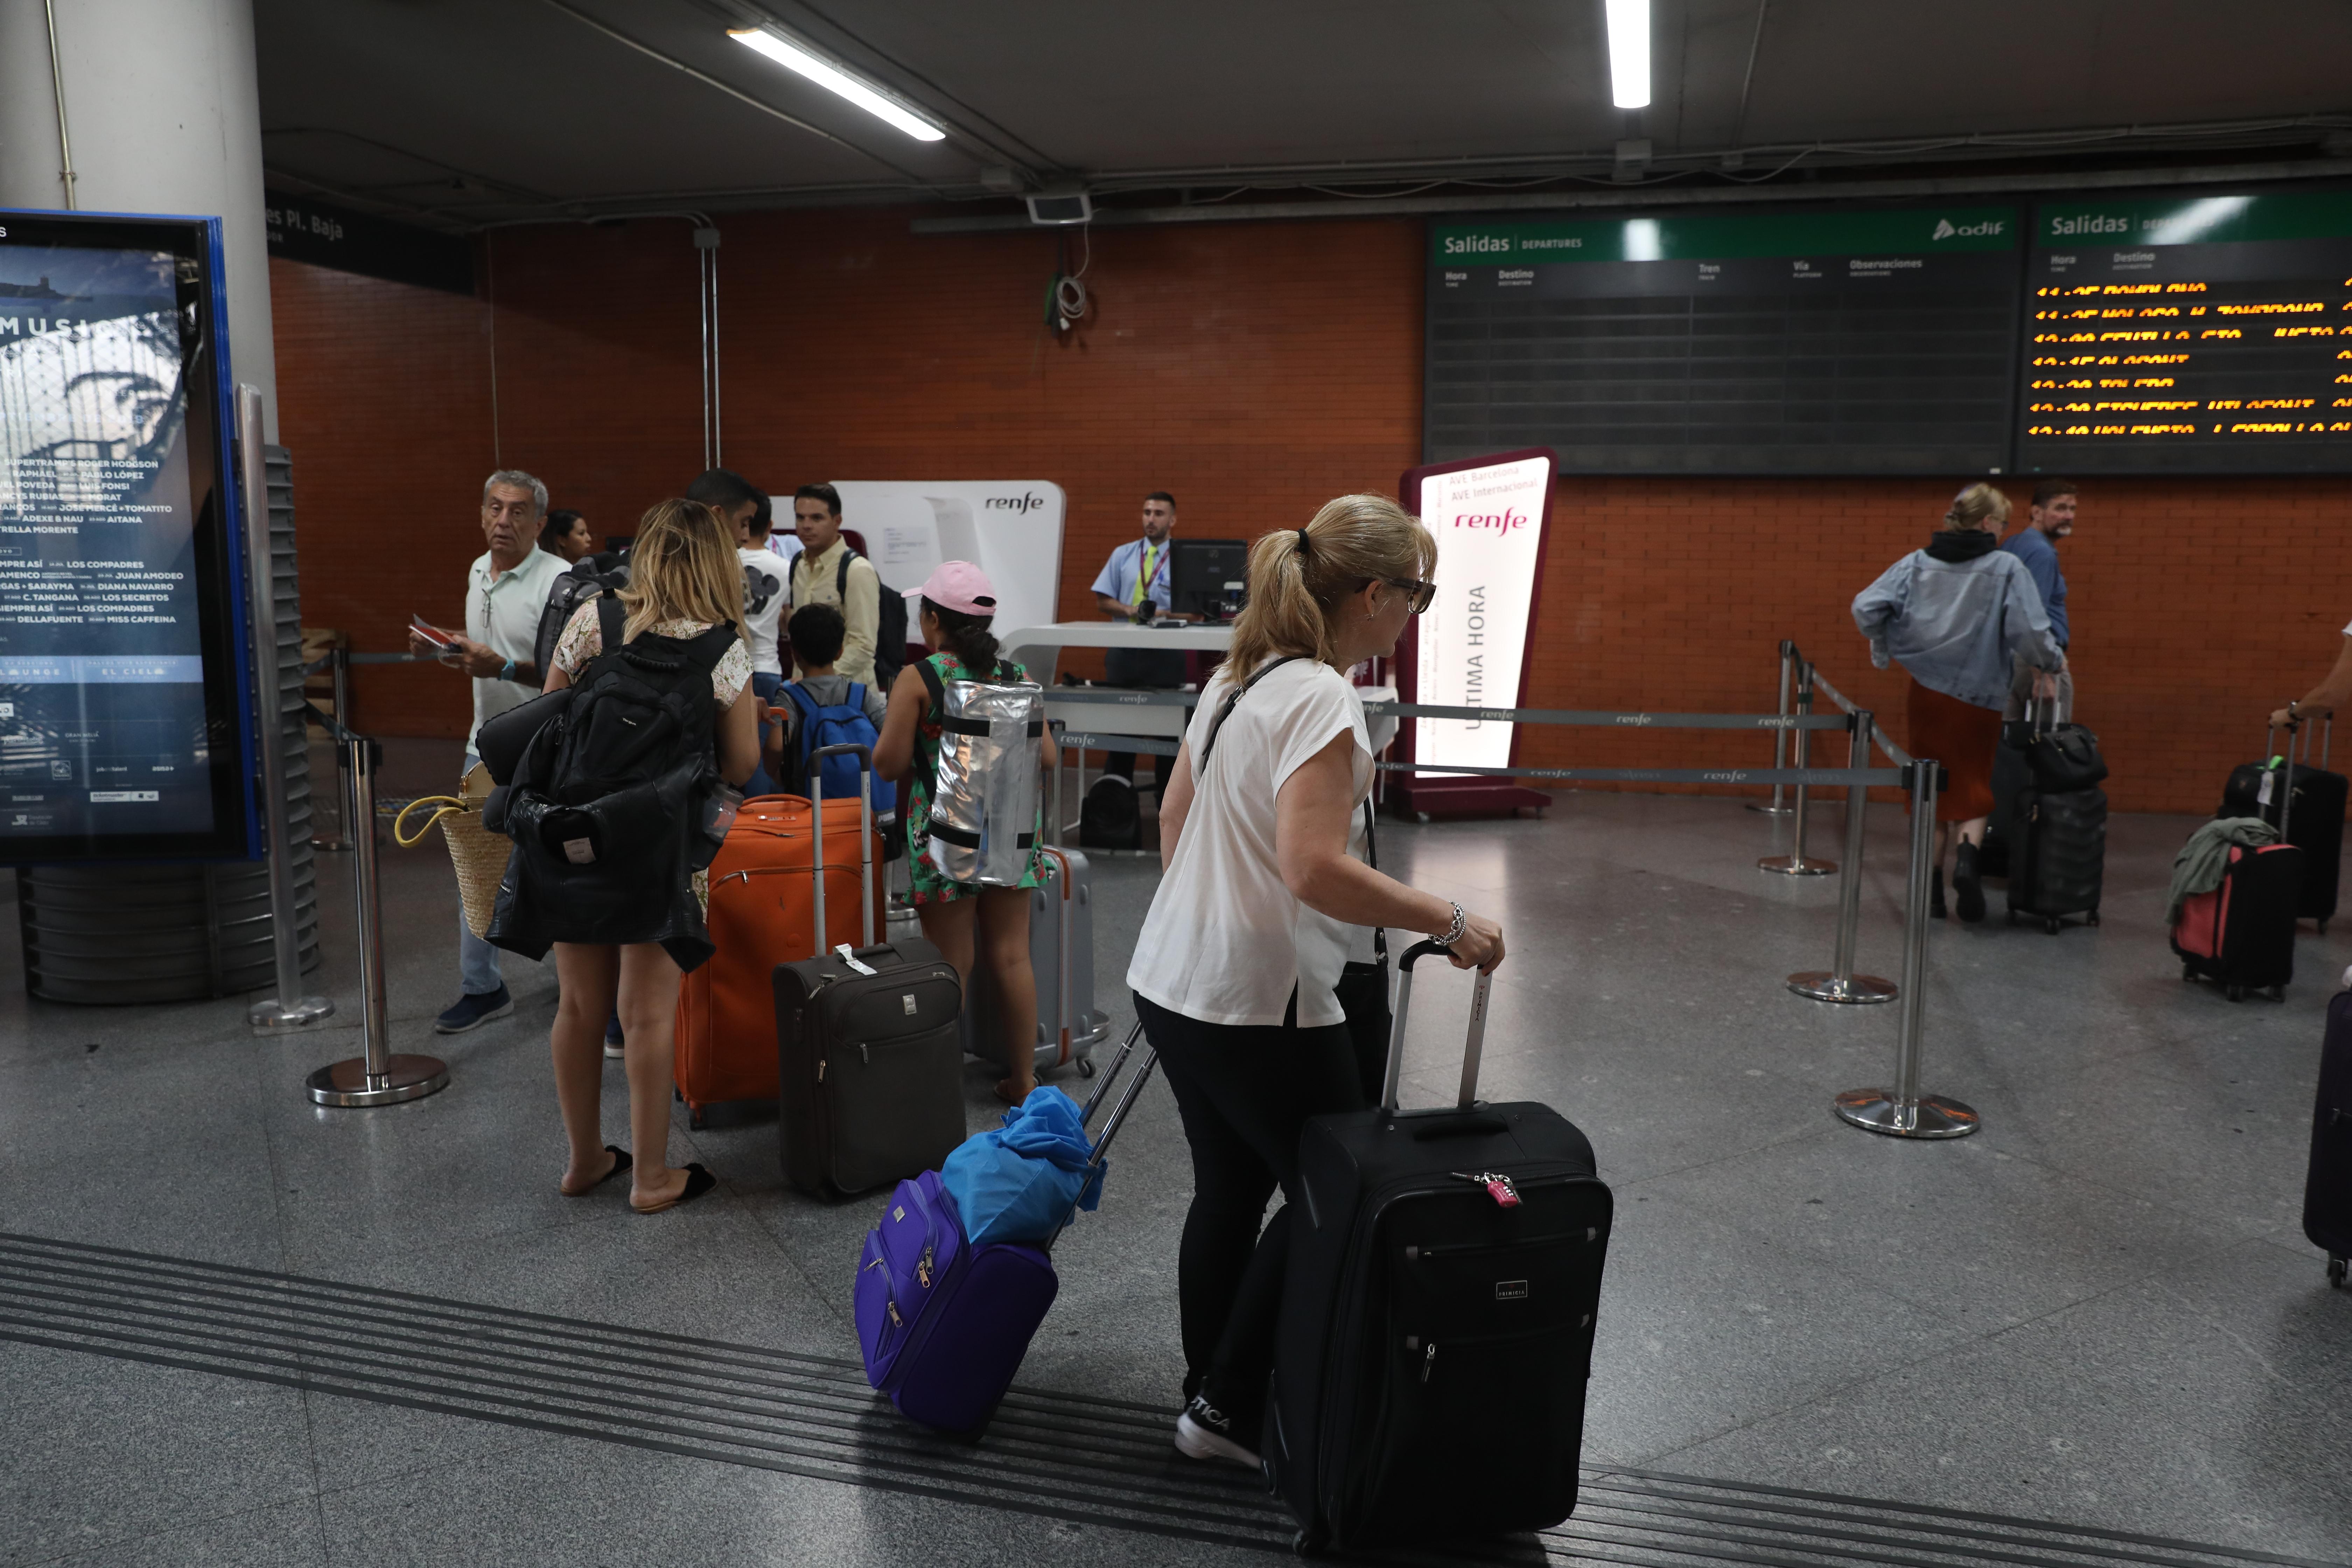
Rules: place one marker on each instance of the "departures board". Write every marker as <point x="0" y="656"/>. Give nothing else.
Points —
<point x="1863" y="341"/>
<point x="2189" y="335"/>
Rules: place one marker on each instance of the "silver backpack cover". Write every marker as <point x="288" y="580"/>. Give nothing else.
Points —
<point x="984" y="822"/>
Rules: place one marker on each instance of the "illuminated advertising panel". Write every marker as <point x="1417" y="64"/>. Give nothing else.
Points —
<point x="2207" y="334"/>
<point x="125" y="722"/>
<point x="1469" y="650"/>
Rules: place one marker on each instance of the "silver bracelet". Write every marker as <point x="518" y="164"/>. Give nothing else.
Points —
<point x="1454" y="932"/>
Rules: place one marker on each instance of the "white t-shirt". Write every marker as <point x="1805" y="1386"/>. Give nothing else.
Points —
<point x="503" y="610"/>
<point x="766" y="596"/>
<point x="1226" y="942"/>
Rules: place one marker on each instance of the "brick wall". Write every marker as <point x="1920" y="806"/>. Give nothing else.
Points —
<point x="1255" y="369"/>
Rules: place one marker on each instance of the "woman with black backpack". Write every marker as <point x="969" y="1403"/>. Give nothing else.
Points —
<point x="612" y="812"/>
<point x="968" y="924"/>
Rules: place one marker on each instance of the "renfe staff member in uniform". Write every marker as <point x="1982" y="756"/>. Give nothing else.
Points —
<point x="505" y="590"/>
<point x="1134" y="586"/>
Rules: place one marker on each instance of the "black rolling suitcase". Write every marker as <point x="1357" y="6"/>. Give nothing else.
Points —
<point x="2313" y="801"/>
<point x="2057" y="862"/>
<point x="2327" y="1194"/>
<point x="869" y="1063"/>
<point x="2055" y="819"/>
<point x="1436" y="1327"/>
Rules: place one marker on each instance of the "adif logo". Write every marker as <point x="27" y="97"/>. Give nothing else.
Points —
<point x="1946" y="230"/>
<point x="1501" y="522"/>
<point x="1020" y="504"/>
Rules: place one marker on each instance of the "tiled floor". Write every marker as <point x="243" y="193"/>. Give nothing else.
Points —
<point x="2100" y="1310"/>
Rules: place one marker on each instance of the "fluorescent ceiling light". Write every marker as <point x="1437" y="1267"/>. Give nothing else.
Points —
<point x="831" y="78"/>
<point x="1643" y="241"/>
<point x="1629" y="52"/>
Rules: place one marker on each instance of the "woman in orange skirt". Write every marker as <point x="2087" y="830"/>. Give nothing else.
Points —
<point x="1956" y="615"/>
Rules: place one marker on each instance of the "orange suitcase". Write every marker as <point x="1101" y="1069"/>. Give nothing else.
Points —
<point x="762" y="912"/>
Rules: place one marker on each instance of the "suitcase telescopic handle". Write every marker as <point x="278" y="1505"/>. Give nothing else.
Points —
<point x="1473" y="1043"/>
<point x="865" y="832"/>
<point x="1118" y="1113"/>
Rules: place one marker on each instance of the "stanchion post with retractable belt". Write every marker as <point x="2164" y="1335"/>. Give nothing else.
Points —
<point x="1903" y="1112"/>
<point x="1780" y="737"/>
<point x="1842" y="984"/>
<point x="378" y="1077"/>
<point x="1794" y="864"/>
<point x="338" y="669"/>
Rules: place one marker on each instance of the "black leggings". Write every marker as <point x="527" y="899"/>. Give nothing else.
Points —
<point x="1244" y="1093"/>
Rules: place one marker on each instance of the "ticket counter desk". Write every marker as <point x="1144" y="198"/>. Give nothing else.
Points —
<point x="1038" y="649"/>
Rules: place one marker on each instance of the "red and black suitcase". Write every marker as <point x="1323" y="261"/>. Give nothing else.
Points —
<point x="1437" y="1318"/>
<point x="2241" y="934"/>
<point x="2308" y="812"/>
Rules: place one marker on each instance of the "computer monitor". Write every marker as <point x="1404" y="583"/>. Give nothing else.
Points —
<point x="1205" y="576"/>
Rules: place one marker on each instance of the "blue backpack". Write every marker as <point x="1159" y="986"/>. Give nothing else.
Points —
<point x="842" y="724"/>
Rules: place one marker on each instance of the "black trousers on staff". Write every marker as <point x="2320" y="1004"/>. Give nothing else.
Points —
<point x="1245" y="1092"/>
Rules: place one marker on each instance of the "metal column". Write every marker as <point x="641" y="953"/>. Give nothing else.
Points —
<point x="1902" y="1111"/>
<point x="1842" y="984"/>
<point x="1780" y="737"/>
<point x="378" y="1077"/>
<point x="289" y="1009"/>
<point x="1794" y="864"/>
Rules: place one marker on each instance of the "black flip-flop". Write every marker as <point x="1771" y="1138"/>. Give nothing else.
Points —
<point x="697" y="1182"/>
<point x="621" y="1162"/>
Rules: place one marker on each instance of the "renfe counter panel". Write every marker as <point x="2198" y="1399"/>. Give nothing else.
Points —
<point x="2204" y="334"/>
<point x="1855" y="341"/>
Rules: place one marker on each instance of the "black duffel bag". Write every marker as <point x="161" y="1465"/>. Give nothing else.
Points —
<point x="2063" y="758"/>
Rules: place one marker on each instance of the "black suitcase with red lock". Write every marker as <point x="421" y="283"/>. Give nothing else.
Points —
<point x="1437" y="1318"/>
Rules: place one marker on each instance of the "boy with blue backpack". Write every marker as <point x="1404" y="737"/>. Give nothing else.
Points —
<point x="822" y="708"/>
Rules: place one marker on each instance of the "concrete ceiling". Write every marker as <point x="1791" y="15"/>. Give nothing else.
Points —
<point x="465" y="113"/>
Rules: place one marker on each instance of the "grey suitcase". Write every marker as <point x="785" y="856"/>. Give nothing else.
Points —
<point x="1061" y="948"/>
<point x="869" y="1077"/>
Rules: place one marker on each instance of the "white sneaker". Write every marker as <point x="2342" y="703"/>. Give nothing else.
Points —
<point x="1203" y="1432"/>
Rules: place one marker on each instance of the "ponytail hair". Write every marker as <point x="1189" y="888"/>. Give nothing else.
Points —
<point x="966" y="636"/>
<point x="1297" y="576"/>
<point x="1973" y="505"/>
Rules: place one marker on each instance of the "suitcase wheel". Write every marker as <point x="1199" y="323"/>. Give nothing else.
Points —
<point x="694" y="1119"/>
<point x="2235" y="993"/>
<point x="1311" y="1542"/>
<point x="1086" y="1067"/>
<point x="2336" y="1267"/>
<point x="2278" y="992"/>
<point x="2092" y="919"/>
<point x="2053" y="926"/>
<point x="2189" y="972"/>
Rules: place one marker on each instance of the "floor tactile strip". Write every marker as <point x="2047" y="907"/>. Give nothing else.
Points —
<point x="1087" y="1460"/>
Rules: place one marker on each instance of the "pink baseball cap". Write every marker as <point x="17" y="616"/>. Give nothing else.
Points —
<point x="961" y="586"/>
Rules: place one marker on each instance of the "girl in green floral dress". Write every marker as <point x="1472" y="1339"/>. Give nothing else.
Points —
<point x="969" y="925"/>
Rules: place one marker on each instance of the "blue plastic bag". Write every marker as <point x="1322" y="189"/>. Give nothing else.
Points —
<point x="1017" y="1182"/>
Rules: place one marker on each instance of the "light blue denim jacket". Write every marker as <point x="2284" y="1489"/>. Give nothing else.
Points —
<point x="1954" y="623"/>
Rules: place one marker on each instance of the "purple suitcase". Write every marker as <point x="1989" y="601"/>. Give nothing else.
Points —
<point x="943" y="1324"/>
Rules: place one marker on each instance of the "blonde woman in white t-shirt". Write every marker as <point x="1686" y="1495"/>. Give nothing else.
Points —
<point x="1260" y="834"/>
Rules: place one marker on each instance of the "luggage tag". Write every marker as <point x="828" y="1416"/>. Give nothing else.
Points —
<point x="1498" y="1186"/>
<point x="841" y="951"/>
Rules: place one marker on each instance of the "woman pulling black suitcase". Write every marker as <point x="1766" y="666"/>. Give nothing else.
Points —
<point x="1235" y="969"/>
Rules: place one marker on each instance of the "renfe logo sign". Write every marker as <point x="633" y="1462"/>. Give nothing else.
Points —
<point x="1474" y="639"/>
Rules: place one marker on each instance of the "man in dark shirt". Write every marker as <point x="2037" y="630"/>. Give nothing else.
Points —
<point x="2051" y="519"/>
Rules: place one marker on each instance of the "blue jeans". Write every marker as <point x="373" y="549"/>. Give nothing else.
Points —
<point x="764" y="686"/>
<point x="477" y="960"/>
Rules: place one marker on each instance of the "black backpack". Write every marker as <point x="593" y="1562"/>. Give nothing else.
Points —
<point x="635" y="742"/>
<point x="889" y="627"/>
<point x="590" y="576"/>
